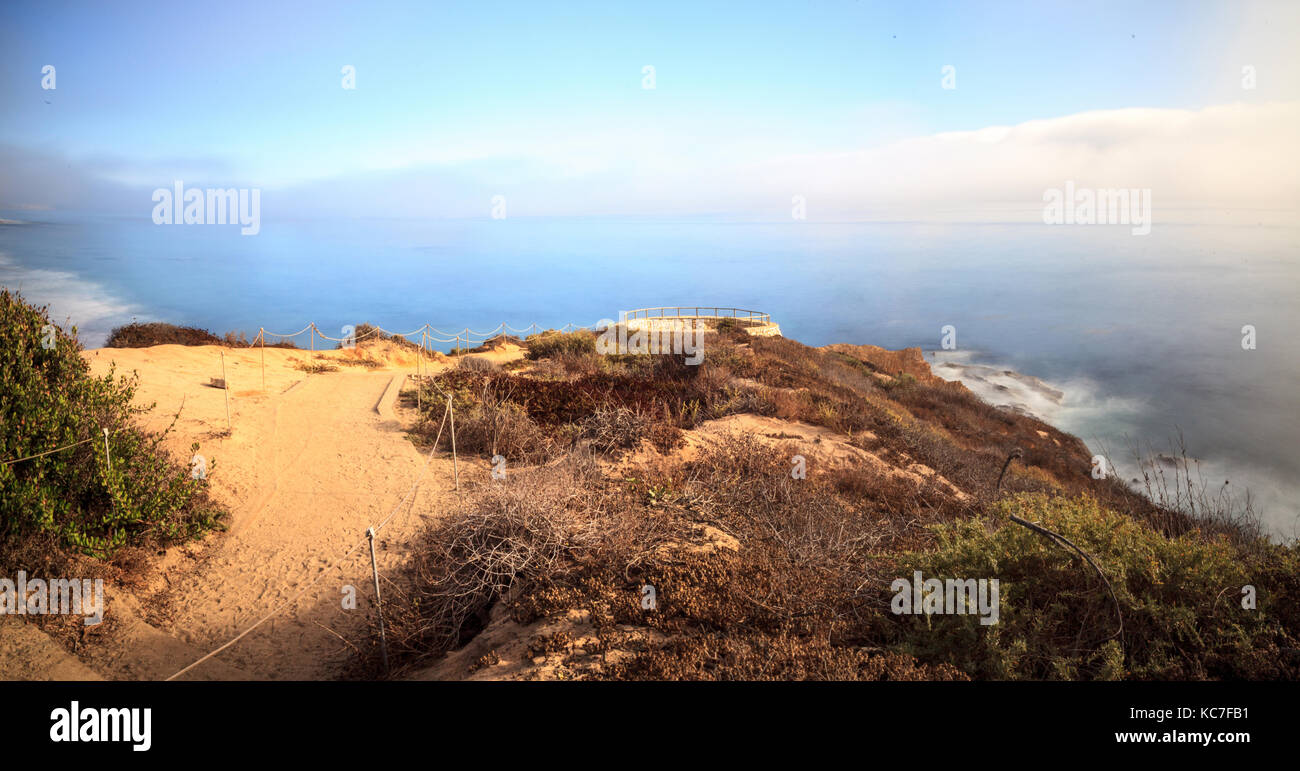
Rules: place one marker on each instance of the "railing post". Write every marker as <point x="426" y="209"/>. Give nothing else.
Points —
<point x="455" y="464"/>
<point x="225" y="386"/>
<point x="379" y="603"/>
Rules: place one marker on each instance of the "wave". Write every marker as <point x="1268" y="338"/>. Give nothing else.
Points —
<point x="72" y="301"/>
<point x="1079" y="405"/>
<point x="1121" y="428"/>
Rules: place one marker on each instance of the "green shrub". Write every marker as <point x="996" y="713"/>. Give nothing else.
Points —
<point x="368" y="333"/>
<point x="49" y="399"/>
<point x="732" y="329"/>
<point x="551" y="344"/>
<point x="136" y="335"/>
<point x="1180" y="599"/>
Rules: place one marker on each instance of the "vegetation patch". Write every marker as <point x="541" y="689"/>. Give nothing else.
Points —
<point x="759" y="573"/>
<point x="551" y="343"/>
<point x="96" y="496"/>
<point x="1180" y="599"/>
<point x="144" y="335"/>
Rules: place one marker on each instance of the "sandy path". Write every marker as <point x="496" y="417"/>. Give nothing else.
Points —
<point x="310" y="465"/>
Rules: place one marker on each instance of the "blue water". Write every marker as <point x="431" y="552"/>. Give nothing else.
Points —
<point x="1142" y="333"/>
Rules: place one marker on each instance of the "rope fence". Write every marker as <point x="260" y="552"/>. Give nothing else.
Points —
<point x="427" y="331"/>
<point x="105" y="434"/>
<point x="428" y="334"/>
<point x="49" y="452"/>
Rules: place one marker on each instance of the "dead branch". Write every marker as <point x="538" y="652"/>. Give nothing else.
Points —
<point x="1061" y="540"/>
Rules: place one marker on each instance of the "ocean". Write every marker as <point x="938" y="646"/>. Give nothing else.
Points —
<point x="1113" y="337"/>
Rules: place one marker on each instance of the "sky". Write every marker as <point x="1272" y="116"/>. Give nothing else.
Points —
<point x="842" y="103"/>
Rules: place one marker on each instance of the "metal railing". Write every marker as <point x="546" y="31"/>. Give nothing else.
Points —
<point x="698" y="312"/>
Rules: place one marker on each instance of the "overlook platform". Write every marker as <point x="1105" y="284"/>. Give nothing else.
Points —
<point x="755" y="323"/>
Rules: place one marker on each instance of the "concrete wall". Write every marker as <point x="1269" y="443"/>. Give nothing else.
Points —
<point x="764" y="330"/>
<point x="674" y="324"/>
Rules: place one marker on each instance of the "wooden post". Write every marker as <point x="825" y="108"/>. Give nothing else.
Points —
<point x="455" y="466"/>
<point x="418" y="387"/>
<point x="225" y="386"/>
<point x="261" y="335"/>
<point x="379" y="604"/>
<point x="108" y="460"/>
<point x="312" y="333"/>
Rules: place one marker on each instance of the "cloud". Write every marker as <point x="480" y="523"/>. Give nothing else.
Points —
<point x="1235" y="156"/>
<point x="38" y="179"/>
<point x="1197" y="163"/>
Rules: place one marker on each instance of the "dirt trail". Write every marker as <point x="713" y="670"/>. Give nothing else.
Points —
<point x="310" y="465"/>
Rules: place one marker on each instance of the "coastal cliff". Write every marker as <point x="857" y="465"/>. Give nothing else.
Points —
<point x="750" y="516"/>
